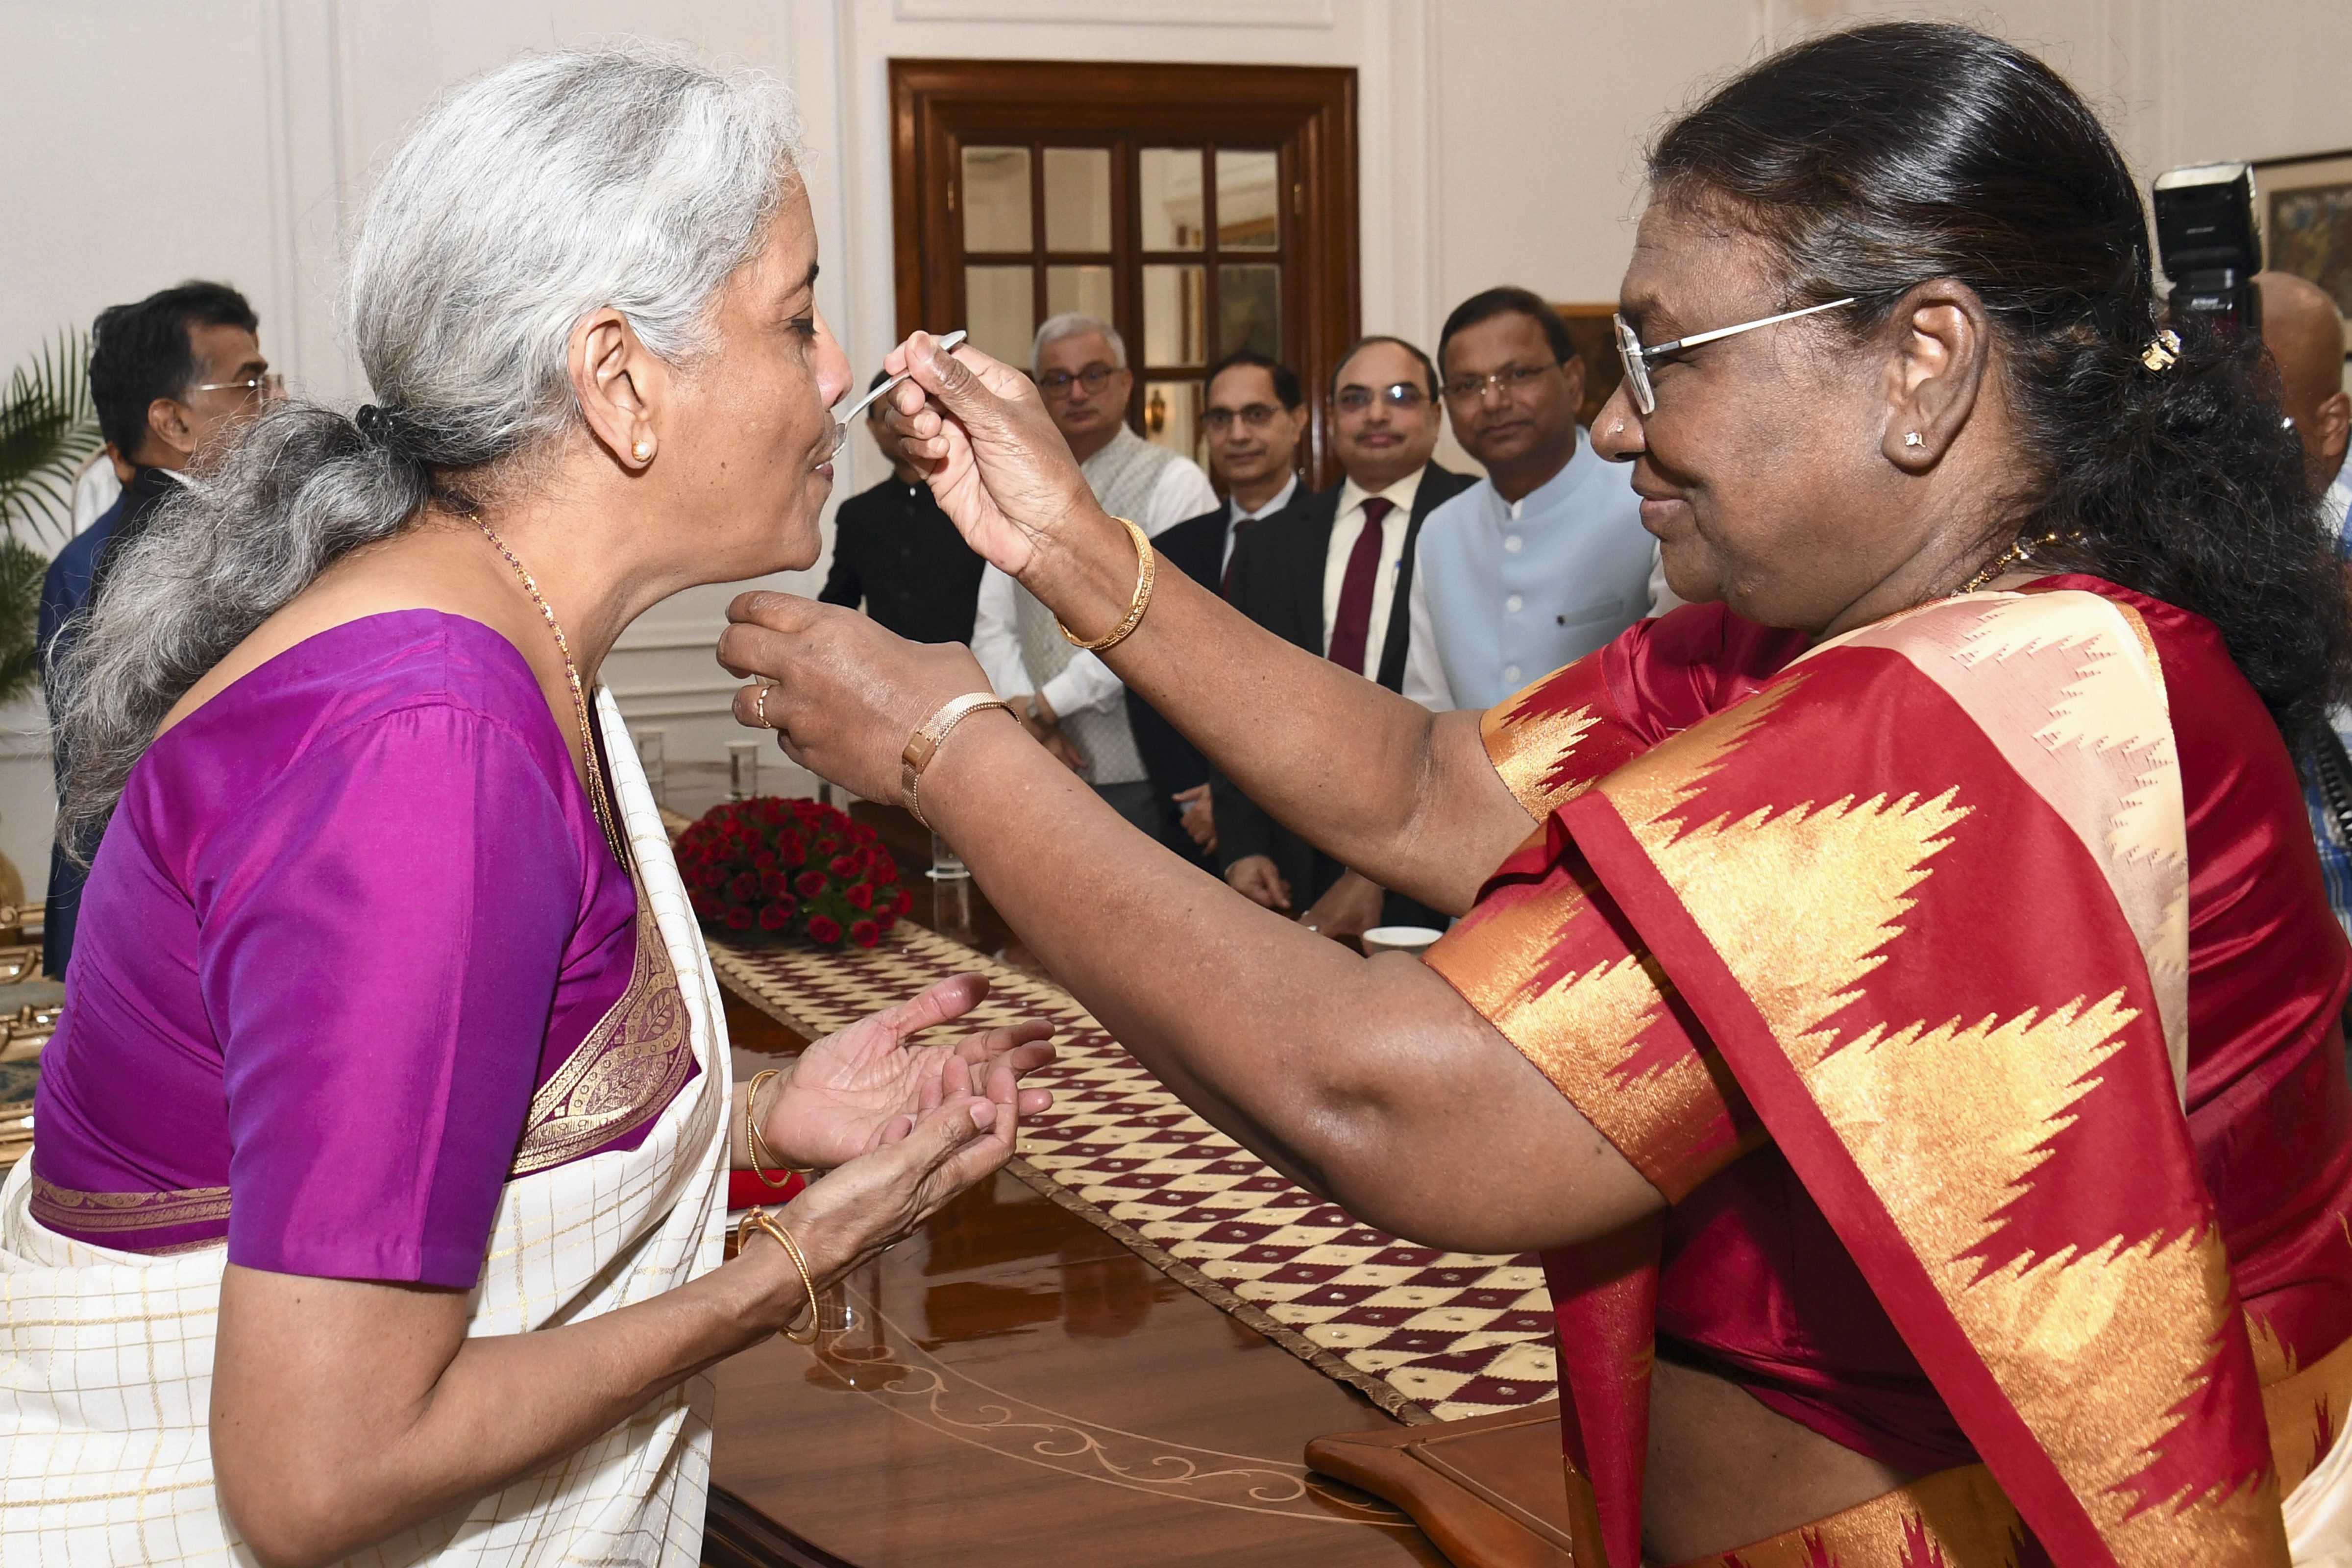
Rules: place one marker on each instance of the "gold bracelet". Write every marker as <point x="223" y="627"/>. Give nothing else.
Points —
<point x="929" y="736"/>
<point x="758" y="1216"/>
<point x="756" y="1145"/>
<point x="1147" y="566"/>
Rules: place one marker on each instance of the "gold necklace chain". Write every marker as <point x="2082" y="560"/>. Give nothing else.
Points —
<point x="2020" y="549"/>
<point x="596" y="802"/>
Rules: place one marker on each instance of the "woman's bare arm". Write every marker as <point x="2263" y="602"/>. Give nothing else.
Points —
<point x="1372" y="779"/>
<point x="344" y="1410"/>
<point x="1372" y="1082"/>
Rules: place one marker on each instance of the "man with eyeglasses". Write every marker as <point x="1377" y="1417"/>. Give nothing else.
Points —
<point x="1333" y="574"/>
<point x="1254" y="417"/>
<point x="172" y="377"/>
<point x="1069" y="699"/>
<point x="1545" y="559"/>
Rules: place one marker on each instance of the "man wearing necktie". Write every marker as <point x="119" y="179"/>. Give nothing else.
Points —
<point x="1332" y="572"/>
<point x="1254" y="419"/>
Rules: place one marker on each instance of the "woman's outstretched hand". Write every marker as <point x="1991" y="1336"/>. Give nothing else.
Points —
<point x="843" y="692"/>
<point x="864" y="1085"/>
<point x="879" y="1198"/>
<point x="999" y="469"/>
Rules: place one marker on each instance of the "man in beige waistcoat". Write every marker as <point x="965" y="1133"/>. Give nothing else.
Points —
<point x="1070" y="700"/>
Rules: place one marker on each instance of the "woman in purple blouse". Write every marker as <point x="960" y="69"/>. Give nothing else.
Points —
<point x="378" y="1193"/>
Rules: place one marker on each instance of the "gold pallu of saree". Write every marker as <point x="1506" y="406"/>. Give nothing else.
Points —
<point x="1811" y="937"/>
<point x="106" y="1356"/>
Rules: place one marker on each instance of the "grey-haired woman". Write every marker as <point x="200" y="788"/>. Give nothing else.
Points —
<point x="377" y="1201"/>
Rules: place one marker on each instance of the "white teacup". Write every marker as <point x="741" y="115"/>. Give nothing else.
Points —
<point x="1399" y="939"/>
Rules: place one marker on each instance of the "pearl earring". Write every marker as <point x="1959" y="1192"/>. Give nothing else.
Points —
<point x="643" y="450"/>
<point x="1913" y="439"/>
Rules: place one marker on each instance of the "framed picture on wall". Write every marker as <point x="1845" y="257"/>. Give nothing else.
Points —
<point x="2304" y="207"/>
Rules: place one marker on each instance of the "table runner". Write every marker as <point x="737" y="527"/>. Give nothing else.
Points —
<point x="1427" y="1335"/>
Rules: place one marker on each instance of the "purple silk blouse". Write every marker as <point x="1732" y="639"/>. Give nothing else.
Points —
<point x="349" y="918"/>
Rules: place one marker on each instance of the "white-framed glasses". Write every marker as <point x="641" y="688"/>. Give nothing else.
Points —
<point x="1637" y="358"/>
<point x="269" y="385"/>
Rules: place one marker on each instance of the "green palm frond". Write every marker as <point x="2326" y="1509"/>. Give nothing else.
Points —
<point x="48" y="428"/>
<point x="22" y="568"/>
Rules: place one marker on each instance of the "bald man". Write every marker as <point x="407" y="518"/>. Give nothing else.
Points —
<point x="2305" y="332"/>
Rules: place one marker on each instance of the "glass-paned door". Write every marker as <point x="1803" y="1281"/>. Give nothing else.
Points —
<point x="1198" y="208"/>
<point x="1180" y="247"/>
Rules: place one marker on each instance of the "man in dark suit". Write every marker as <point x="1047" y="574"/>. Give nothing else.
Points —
<point x="1333" y="574"/>
<point x="895" y="553"/>
<point x="1255" y="414"/>
<point x="171" y="376"/>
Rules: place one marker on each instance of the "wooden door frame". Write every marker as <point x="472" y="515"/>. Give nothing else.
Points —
<point x="935" y="102"/>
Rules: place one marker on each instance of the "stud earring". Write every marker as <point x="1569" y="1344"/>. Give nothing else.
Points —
<point x="644" y="451"/>
<point x="1913" y="439"/>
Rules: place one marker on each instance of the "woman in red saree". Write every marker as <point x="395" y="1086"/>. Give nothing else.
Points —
<point x="1909" y="1029"/>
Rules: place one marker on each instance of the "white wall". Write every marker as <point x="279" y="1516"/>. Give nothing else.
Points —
<point x="153" y="140"/>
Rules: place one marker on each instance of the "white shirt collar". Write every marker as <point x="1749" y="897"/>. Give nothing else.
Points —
<point x="1401" y="494"/>
<point x="1233" y="513"/>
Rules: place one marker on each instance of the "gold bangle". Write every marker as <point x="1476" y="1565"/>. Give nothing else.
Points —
<point x="756" y="1145"/>
<point x="1147" y="565"/>
<point x="758" y="1216"/>
<point x="929" y="736"/>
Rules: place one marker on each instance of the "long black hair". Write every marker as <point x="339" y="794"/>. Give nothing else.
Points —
<point x="1881" y="157"/>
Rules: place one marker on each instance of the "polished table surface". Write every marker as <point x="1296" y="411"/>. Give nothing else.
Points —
<point x="1015" y="1385"/>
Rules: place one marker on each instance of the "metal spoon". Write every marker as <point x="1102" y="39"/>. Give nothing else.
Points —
<point x="841" y="429"/>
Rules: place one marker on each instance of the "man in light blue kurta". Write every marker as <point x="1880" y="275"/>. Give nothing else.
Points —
<point x="1545" y="559"/>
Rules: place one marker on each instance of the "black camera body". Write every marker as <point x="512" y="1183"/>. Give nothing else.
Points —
<point x="2208" y="246"/>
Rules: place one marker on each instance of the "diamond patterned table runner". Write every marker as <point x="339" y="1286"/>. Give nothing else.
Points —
<point x="1428" y="1335"/>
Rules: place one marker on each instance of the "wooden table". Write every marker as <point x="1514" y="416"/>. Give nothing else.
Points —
<point x="1015" y="1387"/>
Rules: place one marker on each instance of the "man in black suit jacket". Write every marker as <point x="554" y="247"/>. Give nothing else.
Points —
<point x="1255" y="415"/>
<point x="1333" y="574"/>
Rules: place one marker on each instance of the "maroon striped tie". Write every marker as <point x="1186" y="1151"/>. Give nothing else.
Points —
<point x="1354" y="628"/>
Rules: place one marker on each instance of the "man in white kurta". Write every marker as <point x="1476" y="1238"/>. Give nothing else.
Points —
<point x="1067" y="698"/>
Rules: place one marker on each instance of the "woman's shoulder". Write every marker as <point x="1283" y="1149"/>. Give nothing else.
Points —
<point x="351" y="680"/>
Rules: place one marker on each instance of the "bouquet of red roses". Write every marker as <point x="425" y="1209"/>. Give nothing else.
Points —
<point x="767" y="869"/>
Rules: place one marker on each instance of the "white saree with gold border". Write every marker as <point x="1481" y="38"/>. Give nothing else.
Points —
<point x="106" y="1357"/>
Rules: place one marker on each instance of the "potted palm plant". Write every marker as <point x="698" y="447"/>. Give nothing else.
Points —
<point x="49" y="429"/>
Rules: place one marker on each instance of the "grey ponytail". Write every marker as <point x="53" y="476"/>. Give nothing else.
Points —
<point x="630" y="177"/>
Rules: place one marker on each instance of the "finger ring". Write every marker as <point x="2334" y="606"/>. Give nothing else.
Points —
<point x="760" y="704"/>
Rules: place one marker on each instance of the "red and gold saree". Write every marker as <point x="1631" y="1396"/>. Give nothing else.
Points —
<point x="1966" y="984"/>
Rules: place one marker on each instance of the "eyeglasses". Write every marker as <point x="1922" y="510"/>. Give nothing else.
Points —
<point x="1397" y="394"/>
<point x="269" y="384"/>
<point x="1510" y="381"/>
<point x="1255" y="415"/>
<point x="1056" y="384"/>
<point x="1637" y="358"/>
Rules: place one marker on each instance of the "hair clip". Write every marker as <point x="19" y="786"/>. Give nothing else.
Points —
<point x="2162" y="350"/>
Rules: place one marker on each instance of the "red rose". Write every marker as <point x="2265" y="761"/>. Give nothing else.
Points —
<point x="703" y="908"/>
<point x="843" y="867"/>
<point x="743" y="886"/>
<point x="823" y="929"/>
<point x="860" y="896"/>
<point x="739" y="920"/>
<point x="905" y="899"/>
<point x="859" y="833"/>
<point x="766" y="860"/>
<point x="776" y="885"/>
<point x="790" y="905"/>
<point x="866" y="933"/>
<point x="790" y="849"/>
<point x="886" y="918"/>
<point x="810" y="883"/>
<point x="884" y="870"/>
<point x="773" y="917"/>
